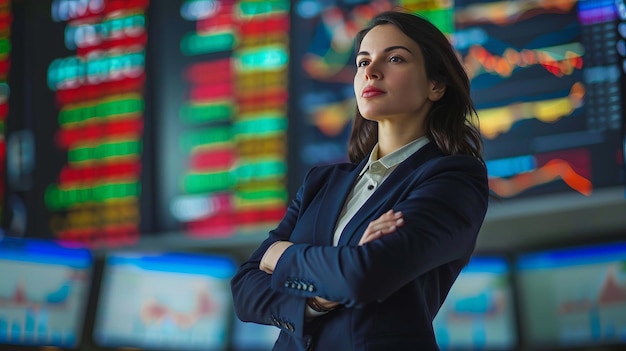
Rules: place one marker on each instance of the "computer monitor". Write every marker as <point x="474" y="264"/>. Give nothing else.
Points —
<point x="479" y="313"/>
<point x="44" y="288"/>
<point x="573" y="296"/>
<point x="164" y="301"/>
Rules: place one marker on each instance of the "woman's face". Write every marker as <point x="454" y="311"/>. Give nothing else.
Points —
<point x="391" y="83"/>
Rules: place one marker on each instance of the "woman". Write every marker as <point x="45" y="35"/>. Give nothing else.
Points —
<point x="368" y="250"/>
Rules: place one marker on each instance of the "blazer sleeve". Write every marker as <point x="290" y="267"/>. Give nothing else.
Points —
<point x="254" y="299"/>
<point x="443" y="212"/>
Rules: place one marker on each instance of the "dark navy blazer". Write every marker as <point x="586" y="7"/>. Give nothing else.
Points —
<point x="391" y="288"/>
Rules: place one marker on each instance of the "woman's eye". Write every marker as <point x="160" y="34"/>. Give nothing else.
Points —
<point x="362" y="63"/>
<point x="395" y="59"/>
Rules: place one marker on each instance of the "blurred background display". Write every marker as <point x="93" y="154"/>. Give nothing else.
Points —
<point x="546" y="80"/>
<point x="76" y="127"/>
<point x="43" y="293"/>
<point x="573" y="297"/>
<point x="479" y="312"/>
<point x="165" y="302"/>
<point x="220" y="112"/>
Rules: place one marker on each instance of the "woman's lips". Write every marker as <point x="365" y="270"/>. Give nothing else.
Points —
<point x="371" y="92"/>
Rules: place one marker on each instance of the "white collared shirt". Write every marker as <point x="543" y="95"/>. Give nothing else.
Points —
<point x="372" y="175"/>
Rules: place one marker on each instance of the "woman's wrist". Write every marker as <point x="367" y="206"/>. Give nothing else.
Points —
<point x="272" y="255"/>
<point x="316" y="306"/>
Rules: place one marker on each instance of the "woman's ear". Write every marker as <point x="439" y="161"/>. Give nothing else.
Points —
<point x="437" y="89"/>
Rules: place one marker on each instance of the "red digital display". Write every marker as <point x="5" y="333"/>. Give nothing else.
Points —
<point x="99" y="97"/>
<point x="223" y="117"/>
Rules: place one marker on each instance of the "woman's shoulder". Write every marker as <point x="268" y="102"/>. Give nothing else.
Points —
<point x="457" y="161"/>
<point x="329" y="169"/>
<point x="320" y="176"/>
<point x="459" y="166"/>
<point x="433" y="162"/>
<point x="431" y="156"/>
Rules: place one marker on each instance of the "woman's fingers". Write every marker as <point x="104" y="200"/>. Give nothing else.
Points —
<point x="387" y="223"/>
<point x="384" y="224"/>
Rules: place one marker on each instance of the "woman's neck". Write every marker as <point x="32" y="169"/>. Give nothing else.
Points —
<point x="390" y="140"/>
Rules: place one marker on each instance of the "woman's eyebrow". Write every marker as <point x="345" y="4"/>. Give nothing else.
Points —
<point x="391" y="48"/>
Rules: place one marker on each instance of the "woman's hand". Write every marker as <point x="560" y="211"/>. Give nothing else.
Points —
<point x="387" y="223"/>
<point x="272" y="255"/>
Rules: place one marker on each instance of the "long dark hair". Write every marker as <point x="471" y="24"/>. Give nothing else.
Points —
<point x="452" y="121"/>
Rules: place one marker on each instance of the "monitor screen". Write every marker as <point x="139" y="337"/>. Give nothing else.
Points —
<point x="76" y="126"/>
<point x="44" y="288"/>
<point x="478" y="313"/>
<point x="165" y="301"/>
<point x="220" y="113"/>
<point x="574" y="296"/>
<point x="546" y="81"/>
<point x="253" y="337"/>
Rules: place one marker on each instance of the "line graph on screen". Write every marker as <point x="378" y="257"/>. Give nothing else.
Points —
<point x="499" y="120"/>
<point x="156" y="312"/>
<point x="514" y="175"/>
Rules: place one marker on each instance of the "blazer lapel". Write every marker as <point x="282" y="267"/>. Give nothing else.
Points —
<point x="388" y="189"/>
<point x="339" y="186"/>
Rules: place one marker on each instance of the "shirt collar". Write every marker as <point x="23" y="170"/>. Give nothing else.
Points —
<point x="397" y="156"/>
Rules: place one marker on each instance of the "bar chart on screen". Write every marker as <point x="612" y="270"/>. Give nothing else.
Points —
<point x="43" y="293"/>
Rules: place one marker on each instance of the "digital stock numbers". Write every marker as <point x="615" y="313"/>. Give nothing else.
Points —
<point x="228" y="119"/>
<point x="99" y="95"/>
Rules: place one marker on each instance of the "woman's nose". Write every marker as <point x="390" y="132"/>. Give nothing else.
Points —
<point x="372" y="71"/>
